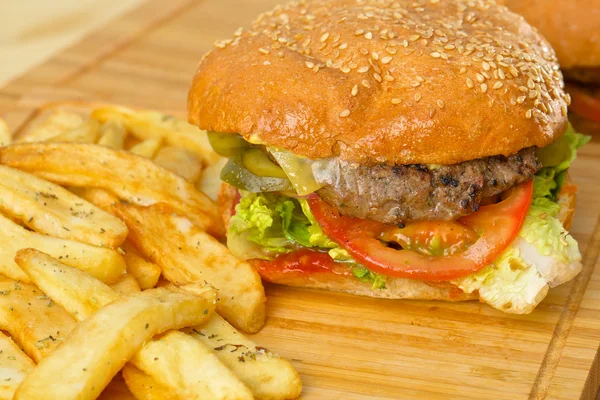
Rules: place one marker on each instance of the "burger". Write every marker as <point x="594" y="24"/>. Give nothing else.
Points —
<point x="402" y="149"/>
<point x="573" y="29"/>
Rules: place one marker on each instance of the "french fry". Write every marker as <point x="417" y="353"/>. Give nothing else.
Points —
<point x="188" y="254"/>
<point x="48" y="274"/>
<point x="48" y="208"/>
<point x="100" y="346"/>
<point x="146" y="148"/>
<point x="101" y="262"/>
<point x="59" y="121"/>
<point x="34" y="321"/>
<point x="132" y="178"/>
<point x="152" y="124"/>
<point x="145" y="272"/>
<point x="5" y="135"/>
<point x="180" y="161"/>
<point x="112" y="134"/>
<point x="267" y="375"/>
<point x="144" y="387"/>
<point x="193" y="370"/>
<point x="14" y="365"/>
<point x="126" y="285"/>
<point x="87" y="132"/>
<point x="117" y="390"/>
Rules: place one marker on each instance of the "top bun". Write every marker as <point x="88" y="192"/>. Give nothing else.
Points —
<point x="394" y="82"/>
<point x="571" y="26"/>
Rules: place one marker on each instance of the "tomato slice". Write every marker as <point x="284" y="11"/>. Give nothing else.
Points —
<point x="496" y="225"/>
<point x="584" y="104"/>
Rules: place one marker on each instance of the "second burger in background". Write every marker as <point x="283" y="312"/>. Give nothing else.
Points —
<point x="573" y="29"/>
<point x="396" y="149"/>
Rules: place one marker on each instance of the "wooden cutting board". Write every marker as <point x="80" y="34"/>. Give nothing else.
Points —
<point x="348" y="347"/>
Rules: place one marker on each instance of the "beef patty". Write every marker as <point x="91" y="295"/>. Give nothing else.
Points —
<point x="403" y="193"/>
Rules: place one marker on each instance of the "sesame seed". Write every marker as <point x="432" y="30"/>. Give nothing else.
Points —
<point x="484" y="87"/>
<point x="528" y="114"/>
<point x="267" y="62"/>
<point x="359" y="32"/>
<point x="530" y="83"/>
<point x="479" y="77"/>
<point x="415" y="83"/>
<point x="431" y="112"/>
<point x="345" y="70"/>
<point x="354" y="90"/>
<point x="309" y="64"/>
<point x="469" y="83"/>
<point x="563" y="110"/>
<point x="521" y="99"/>
<point x="364" y="51"/>
<point x="568" y="99"/>
<point x="343" y="46"/>
<point x="375" y="55"/>
<point x="417" y="97"/>
<point x="368" y="35"/>
<point x="533" y="94"/>
<point x="386" y="60"/>
<point x="396" y="101"/>
<point x="435" y="54"/>
<point x="501" y="74"/>
<point x="345" y="113"/>
<point x="391" y="50"/>
<point x="324" y="37"/>
<point x="377" y="77"/>
<point x="389" y="78"/>
<point x="366" y="84"/>
<point x="440" y="104"/>
<point x="362" y="70"/>
<point x="486" y="66"/>
<point x="498" y="85"/>
<point x="264" y="51"/>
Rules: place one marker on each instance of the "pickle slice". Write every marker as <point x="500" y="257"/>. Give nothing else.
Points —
<point x="256" y="161"/>
<point x="237" y="175"/>
<point x="227" y="144"/>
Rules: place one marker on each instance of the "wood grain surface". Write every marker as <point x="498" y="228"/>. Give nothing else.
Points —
<point x="348" y="347"/>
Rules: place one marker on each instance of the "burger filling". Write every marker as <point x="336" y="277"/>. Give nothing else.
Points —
<point x="583" y="84"/>
<point x="482" y="225"/>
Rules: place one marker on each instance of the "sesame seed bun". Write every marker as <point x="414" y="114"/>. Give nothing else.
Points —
<point x="571" y="26"/>
<point x="407" y="82"/>
<point x="396" y="288"/>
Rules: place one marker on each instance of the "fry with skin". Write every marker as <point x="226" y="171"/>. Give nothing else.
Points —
<point x="126" y="285"/>
<point x="48" y="208"/>
<point x="144" y="387"/>
<point x="100" y="345"/>
<point x="14" y="365"/>
<point x="132" y="178"/>
<point x="59" y="121"/>
<point x="152" y="124"/>
<point x="101" y="262"/>
<point x="112" y="134"/>
<point x="34" y="321"/>
<point x="146" y="148"/>
<point x="187" y="254"/>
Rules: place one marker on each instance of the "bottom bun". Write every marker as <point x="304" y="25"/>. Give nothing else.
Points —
<point x="344" y="281"/>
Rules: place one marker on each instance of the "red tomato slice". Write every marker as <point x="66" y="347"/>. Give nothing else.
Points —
<point x="583" y="104"/>
<point x="497" y="224"/>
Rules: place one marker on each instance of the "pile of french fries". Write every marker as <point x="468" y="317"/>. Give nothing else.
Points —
<point x="114" y="282"/>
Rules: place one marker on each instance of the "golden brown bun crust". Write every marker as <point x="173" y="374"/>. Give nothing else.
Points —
<point x="571" y="26"/>
<point x="396" y="288"/>
<point x="434" y="93"/>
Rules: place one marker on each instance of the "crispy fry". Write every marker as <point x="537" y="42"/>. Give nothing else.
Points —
<point x="5" y="135"/>
<point x="132" y="178"/>
<point x="112" y="134"/>
<point x="146" y="148"/>
<point x="152" y="124"/>
<point x="49" y="274"/>
<point x="117" y="390"/>
<point x="144" y="387"/>
<point x="59" y="121"/>
<point x="98" y="197"/>
<point x="14" y="365"/>
<point x="193" y="371"/>
<point x="145" y="272"/>
<point x="87" y="132"/>
<point x="211" y="181"/>
<point x="188" y="254"/>
<point x="180" y="161"/>
<point x="48" y="208"/>
<point x="126" y="285"/>
<point x="101" y="262"/>
<point x="100" y="345"/>
<point x="36" y="323"/>
<point x="202" y="377"/>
